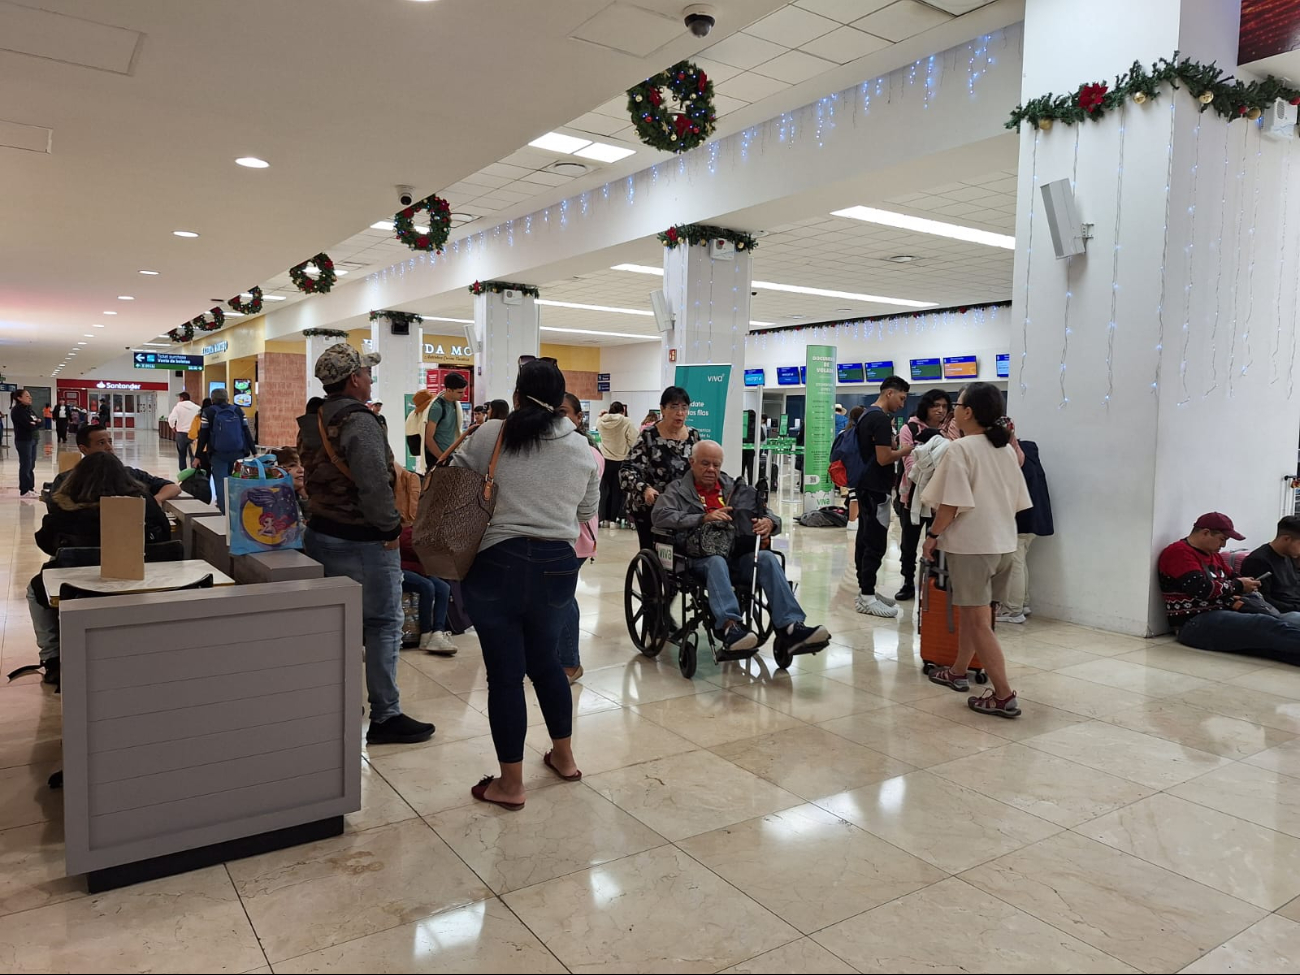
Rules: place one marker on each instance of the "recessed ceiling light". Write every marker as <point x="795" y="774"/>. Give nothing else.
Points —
<point x="274" y="298"/>
<point x="566" y="168"/>
<point x="901" y="258"/>
<point x="559" y="142"/>
<point x="588" y="331"/>
<point x="339" y="272"/>
<point x="149" y="272"/>
<point x="382" y="225"/>
<point x="759" y="324"/>
<point x="607" y="308"/>
<point x="458" y="321"/>
<point x="887" y="218"/>
<point x="234" y="314"/>
<point x="81" y="343"/>
<point x="126" y="297"/>
<point x="251" y="162"/>
<point x="797" y="317"/>
<point x="158" y="345"/>
<point x="97" y="325"/>
<point x="184" y="233"/>
<point x="89" y="335"/>
<point x="462" y="217"/>
<point x="603" y="152"/>
<point x="108" y="313"/>
<point x="795" y="289"/>
<point x="843" y="310"/>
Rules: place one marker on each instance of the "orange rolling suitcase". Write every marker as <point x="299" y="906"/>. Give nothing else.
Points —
<point x="937" y="623"/>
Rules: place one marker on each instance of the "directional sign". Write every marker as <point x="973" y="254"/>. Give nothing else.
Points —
<point x="168" y="360"/>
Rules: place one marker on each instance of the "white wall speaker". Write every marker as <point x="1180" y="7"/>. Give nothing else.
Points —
<point x="663" y="314"/>
<point x="512" y="297"/>
<point x="1280" y="121"/>
<point x="471" y="340"/>
<point x="722" y="250"/>
<point x="1068" y="234"/>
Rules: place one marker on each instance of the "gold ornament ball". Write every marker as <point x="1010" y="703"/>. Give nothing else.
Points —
<point x="1205" y="97"/>
<point x="674" y="138"/>
<point x="638" y="98"/>
<point x="1139" y="97"/>
<point x="1253" y="114"/>
<point x="1045" y="124"/>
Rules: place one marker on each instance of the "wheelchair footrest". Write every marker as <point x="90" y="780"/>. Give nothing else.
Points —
<point x="722" y="654"/>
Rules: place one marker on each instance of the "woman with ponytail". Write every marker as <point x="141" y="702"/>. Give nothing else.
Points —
<point x="524" y="577"/>
<point x="976" y="492"/>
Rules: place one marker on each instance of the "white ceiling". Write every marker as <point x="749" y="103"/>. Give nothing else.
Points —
<point x="143" y="105"/>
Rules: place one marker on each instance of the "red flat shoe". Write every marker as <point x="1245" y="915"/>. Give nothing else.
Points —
<point x="479" y="792"/>
<point x="546" y="760"/>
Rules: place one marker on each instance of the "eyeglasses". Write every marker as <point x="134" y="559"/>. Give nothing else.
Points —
<point x="525" y="359"/>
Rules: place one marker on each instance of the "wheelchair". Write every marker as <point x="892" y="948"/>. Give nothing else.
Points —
<point x="657" y="576"/>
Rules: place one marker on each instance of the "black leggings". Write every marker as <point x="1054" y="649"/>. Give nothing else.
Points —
<point x="611" y="494"/>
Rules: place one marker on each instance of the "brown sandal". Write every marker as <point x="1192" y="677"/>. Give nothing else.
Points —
<point x="479" y="792"/>
<point x="546" y="760"/>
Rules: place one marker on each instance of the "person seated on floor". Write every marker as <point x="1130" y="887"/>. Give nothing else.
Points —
<point x="1210" y="608"/>
<point x="94" y="438"/>
<point x="73" y="520"/>
<point x="707" y="497"/>
<point x="1274" y="566"/>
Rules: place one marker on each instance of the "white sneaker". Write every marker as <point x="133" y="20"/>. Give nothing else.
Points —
<point x="439" y="643"/>
<point x="29" y="496"/>
<point x="872" y="606"/>
<point x="887" y="600"/>
<point x="1008" y="618"/>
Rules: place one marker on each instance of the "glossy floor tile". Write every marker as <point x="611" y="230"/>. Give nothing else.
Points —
<point x="1143" y="814"/>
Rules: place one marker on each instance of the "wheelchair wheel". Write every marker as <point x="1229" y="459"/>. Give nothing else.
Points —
<point x="688" y="655"/>
<point x="760" y="620"/>
<point x="784" y="658"/>
<point x="645" y="603"/>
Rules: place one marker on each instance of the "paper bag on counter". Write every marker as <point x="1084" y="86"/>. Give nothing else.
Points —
<point x="121" y="538"/>
<point x="68" y="460"/>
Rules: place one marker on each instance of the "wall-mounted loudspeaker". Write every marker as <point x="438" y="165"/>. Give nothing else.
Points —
<point x="471" y="340"/>
<point x="1068" y="234"/>
<point x="400" y="328"/>
<point x="663" y="314"/>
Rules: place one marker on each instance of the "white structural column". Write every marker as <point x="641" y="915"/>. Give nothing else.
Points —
<point x="400" y="371"/>
<point x="1155" y="370"/>
<point x="709" y="298"/>
<point x="316" y="344"/>
<point x="506" y="326"/>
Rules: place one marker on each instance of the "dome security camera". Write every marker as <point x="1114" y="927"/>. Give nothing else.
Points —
<point x="406" y="195"/>
<point x="700" y="18"/>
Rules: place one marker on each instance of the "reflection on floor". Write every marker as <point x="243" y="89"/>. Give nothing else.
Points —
<point x="1143" y="815"/>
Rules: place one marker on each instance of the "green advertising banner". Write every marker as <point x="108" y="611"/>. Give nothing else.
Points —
<point x="819" y="425"/>
<point x="707" y="386"/>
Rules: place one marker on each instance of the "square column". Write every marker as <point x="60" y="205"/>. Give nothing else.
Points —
<point x="709" y="299"/>
<point x="401" y="371"/>
<point x="504" y="330"/>
<point x="316" y="345"/>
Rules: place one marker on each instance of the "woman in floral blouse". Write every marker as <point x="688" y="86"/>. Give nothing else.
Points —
<point x="660" y="456"/>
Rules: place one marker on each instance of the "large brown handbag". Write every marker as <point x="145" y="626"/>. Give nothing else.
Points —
<point x="456" y="506"/>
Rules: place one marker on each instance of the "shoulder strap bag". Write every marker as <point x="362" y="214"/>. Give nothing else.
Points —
<point x="456" y="505"/>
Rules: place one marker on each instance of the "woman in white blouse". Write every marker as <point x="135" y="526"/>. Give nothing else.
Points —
<point x="976" y="492"/>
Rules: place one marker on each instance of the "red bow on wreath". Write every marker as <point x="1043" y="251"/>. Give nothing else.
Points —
<point x="1091" y="97"/>
<point x="672" y="234"/>
<point x="682" y="123"/>
<point x="656" y="99"/>
<point x="703" y="80"/>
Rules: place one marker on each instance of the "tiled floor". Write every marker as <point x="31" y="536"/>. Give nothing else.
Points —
<point x="1143" y="815"/>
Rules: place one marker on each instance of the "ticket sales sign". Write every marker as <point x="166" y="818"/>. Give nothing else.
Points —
<point x="168" y="360"/>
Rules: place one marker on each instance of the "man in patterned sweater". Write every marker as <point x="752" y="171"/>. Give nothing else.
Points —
<point x="1205" y="601"/>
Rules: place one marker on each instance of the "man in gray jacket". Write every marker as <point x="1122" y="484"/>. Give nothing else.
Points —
<point x="706" y="496"/>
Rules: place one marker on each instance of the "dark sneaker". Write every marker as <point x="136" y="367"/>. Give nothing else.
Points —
<point x="739" y="637"/>
<point x="400" y="729"/>
<point x="51" y="675"/>
<point x="945" y="676"/>
<point x="798" y="638"/>
<point x="908" y="592"/>
<point x="989" y="704"/>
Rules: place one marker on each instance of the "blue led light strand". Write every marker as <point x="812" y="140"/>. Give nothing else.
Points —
<point x="1190" y="251"/>
<point x="1250" y="273"/>
<point x="1114" y="267"/>
<point x="1069" y="293"/>
<point x="1235" y="292"/>
<point x="1029" y="257"/>
<point x="1164" y="253"/>
<point x="1218" y="264"/>
<point x="1281" y="267"/>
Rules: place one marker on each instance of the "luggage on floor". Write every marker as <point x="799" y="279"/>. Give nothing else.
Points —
<point x="937" y="622"/>
<point x="410" y="620"/>
<point x="458" y="620"/>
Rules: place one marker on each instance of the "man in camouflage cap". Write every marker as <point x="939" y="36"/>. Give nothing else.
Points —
<point x="354" y="526"/>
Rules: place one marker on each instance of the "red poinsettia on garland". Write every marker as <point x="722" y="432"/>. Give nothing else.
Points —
<point x="1092" y="96"/>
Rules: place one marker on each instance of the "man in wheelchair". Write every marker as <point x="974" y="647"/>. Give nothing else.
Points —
<point x="718" y="521"/>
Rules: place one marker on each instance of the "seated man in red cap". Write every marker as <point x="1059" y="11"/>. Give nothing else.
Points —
<point x="1210" y="608"/>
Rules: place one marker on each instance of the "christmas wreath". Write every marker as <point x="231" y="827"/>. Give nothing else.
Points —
<point x="407" y="318"/>
<point x="1231" y="99"/>
<point x="325" y="333"/>
<point x="184" y="333"/>
<point x="699" y="233"/>
<point x="202" y="323"/>
<point x="683" y="127"/>
<point x="496" y="287"/>
<point x="254" y="302"/>
<point x="325" y="276"/>
<point x="439" y="224"/>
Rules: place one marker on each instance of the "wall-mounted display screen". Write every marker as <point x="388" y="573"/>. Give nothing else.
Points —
<point x="878" y="372"/>
<point x="851" y="372"/>
<point x="755" y="377"/>
<point x="1004" y="365"/>
<point x="960" y="367"/>
<point x="923" y="369"/>
<point x="787" y="375"/>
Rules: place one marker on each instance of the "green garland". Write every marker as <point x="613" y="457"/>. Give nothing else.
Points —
<point x="407" y="318"/>
<point x="673" y="131"/>
<point x="496" y="287"/>
<point x="439" y="224"/>
<point x="326" y="333"/>
<point x="700" y="233"/>
<point x="1207" y="83"/>
<point x="254" y="302"/>
<point x="325" y="276"/>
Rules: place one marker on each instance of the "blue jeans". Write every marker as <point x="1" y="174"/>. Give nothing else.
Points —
<point x="568" y="648"/>
<point x="379" y="570"/>
<point x="1277" y="638"/>
<point x="26" y="465"/>
<point x="221" y="467"/>
<point x="434" y="595"/>
<point x="715" y="572"/>
<point x="517" y="594"/>
<point x="183" y="449"/>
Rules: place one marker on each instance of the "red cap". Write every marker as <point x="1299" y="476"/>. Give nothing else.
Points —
<point x="1216" y="521"/>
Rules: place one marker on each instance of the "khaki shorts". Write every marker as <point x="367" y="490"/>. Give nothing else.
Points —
<point x="977" y="580"/>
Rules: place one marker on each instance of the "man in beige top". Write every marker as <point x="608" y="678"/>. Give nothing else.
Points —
<point x="617" y="435"/>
